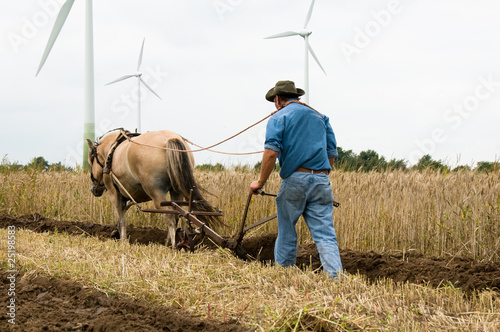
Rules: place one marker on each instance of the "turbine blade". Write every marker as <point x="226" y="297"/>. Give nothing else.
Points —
<point x="140" y="55"/>
<point x="61" y="18"/>
<point x="121" y="79"/>
<point x="309" y="14"/>
<point x="149" y="88"/>
<point x="283" y="34"/>
<point x="314" y="56"/>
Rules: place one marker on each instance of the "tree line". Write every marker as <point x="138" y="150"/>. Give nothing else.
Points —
<point x="36" y="164"/>
<point x="348" y="161"/>
<point x="369" y="160"/>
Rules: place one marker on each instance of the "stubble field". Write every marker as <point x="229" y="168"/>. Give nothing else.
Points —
<point x="421" y="251"/>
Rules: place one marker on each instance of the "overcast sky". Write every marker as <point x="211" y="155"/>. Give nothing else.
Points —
<point x="404" y="78"/>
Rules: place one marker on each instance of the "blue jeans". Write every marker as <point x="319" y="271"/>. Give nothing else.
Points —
<point x="309" y="195"/>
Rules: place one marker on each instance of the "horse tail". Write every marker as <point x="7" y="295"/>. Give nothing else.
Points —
<point x="181" y="173"/>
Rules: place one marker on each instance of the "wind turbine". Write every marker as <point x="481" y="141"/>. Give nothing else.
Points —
<point x="89" y="100"/>
<point x="137" y="74"/>
<point x="304" y="33"/>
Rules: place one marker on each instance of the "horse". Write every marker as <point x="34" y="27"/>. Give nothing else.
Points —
<point x="136" y="168"/>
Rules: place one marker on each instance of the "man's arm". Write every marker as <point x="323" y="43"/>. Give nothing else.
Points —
<point x="331" y="161"/>
<point x="268" y="162"/>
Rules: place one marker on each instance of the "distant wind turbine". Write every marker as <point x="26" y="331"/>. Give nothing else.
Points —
<point x="89" y="103"/>
<point x="308" y="49"/>
<point x="138" y="74"/>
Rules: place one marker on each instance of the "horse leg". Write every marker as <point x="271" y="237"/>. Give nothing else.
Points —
<point x="121" y="225"/>
<point x="170" y="219"/>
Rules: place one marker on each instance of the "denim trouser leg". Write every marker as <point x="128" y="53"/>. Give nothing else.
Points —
<point x="290" y="205"/>
<point x="309" y="195"/>
<point x="318" y="216"/>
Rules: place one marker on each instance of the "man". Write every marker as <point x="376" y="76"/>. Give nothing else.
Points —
<point x="303" y="141"/>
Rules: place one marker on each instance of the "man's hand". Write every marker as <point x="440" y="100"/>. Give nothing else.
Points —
<point x="268" y="161"/>
<point x="255" y="185"/>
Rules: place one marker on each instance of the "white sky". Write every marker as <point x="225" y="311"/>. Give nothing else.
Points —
<point x="404" y="78"/>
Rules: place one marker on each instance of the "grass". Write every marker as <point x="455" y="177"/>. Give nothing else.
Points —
<point x="215" y="285"/>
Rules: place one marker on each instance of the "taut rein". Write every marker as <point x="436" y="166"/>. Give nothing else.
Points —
<point x="125" y="134"/>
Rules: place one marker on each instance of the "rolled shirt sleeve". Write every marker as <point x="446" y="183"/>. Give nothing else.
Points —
<point x="274" y="134"/>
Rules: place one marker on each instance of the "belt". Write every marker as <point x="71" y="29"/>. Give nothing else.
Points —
<point x="306" y="170"/>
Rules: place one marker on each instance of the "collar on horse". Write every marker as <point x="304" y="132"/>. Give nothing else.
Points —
<point x="123" y="136"/>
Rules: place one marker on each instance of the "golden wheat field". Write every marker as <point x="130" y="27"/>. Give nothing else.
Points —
<point x="436" y="214"/>
<point x="455" y="214"/>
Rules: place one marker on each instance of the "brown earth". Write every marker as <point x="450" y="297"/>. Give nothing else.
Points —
<point x="54" y="304"/>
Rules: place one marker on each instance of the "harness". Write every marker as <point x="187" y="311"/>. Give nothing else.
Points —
<point x="122" y="137"/>
<point x="94" y="156"/>
<point x="106" y="167"/>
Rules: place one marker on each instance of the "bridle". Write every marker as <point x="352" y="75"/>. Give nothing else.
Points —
<point x="106" y="166"/>
<point x="94" y="157"/>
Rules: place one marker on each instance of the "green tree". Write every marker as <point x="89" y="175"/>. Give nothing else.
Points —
<point x="38" y="164"/>
<point x="209" y="167"/>
<point x="258" y="166"/>
<point x="370" y="160"/>
<point x="427" y="162"/>
<point x="486" y="166"/>
<point x="461" y="168"/>
<point x="59" y="167"/>
<point x="346" y="160"/>
<point x="400" y="164"/>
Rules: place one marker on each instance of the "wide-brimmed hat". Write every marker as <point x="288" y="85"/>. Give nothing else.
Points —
<point x="284" y="88"/>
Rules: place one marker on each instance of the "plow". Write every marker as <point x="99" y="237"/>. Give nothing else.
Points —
<point x="194" y="227"/>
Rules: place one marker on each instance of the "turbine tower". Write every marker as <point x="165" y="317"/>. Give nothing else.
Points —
<point x="137" y="74"/>
<point x="89" y="103"/>
<point x="304" y="33"/>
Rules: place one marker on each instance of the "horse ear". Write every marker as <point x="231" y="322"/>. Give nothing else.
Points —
<point x="90" y="143"/>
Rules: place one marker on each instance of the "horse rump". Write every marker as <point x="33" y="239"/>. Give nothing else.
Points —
<point x="181" y="173"/>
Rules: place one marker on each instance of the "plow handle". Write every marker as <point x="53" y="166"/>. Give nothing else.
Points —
<point x="243" y="219"/>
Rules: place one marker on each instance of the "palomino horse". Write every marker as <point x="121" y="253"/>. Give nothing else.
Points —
<point x="140" y="168"/>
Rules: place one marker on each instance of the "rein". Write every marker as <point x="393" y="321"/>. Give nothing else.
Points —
<point x="94" y="156"/>
<point x="114" y="178"/>
<point x="209" y="148"/>
<point x="127" y="135"/>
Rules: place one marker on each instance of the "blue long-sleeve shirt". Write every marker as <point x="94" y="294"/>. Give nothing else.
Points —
<point x="302" y="137"/>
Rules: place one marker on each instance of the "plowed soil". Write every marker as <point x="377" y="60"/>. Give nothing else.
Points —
<point x="52" y="304"/>
<point x="55" y="304"/>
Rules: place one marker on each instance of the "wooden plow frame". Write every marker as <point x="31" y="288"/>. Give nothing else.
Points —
<point x="234" y="244"/>
<point x="187" y="233"/>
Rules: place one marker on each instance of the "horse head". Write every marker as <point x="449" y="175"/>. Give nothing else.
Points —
<point x="96" y="169"/>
